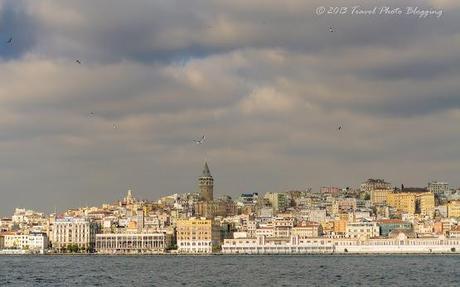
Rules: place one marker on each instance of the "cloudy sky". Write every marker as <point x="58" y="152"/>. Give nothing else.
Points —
<point x="264" y="80"/>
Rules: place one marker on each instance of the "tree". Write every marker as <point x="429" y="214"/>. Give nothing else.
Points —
<point x="73" y="248"/>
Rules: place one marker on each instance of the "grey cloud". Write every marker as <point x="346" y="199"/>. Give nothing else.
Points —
<point x="264" y="80"/>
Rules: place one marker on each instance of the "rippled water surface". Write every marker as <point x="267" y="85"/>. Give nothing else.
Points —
<point x="230" y="271"/>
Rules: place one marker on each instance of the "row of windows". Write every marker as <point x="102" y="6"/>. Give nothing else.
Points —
<point x="195" y="243"/>
<point x="134" y="238"/>
<point x="402" y="242"/>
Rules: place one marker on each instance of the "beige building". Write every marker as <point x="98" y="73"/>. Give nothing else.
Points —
<point x="211" y="209"/>
<point x="197" y="235"/>
<point x="404" y="202"/>
<point x="362" y="230"/>
<point x="340" y="226"/>
<point x="453" y="208"/>
<point x="425" y="203"/>
<point x="374" y="184"/>
<point x="282" y="226"/>
<point x="379" y="196"/>
<point x="307" y="229"/>
<point x="412" y="201"/>
<point x="72" y="231"/>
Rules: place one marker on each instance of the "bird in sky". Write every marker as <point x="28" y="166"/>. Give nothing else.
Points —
<point x="78" y="61"/>
<point x="115" y="126"/>
<point x="10" y="40"/>
<point x="331" y="29"/>
<point x="340" y="128"/>
<point x="201" y="141"/>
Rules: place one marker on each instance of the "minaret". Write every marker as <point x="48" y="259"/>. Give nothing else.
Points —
<point x="206" y="183"/>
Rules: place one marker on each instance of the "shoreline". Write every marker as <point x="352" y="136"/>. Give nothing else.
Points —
<point x="237" y="255"/>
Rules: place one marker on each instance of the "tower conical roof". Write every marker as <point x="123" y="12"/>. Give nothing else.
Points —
<point x="206" y="172"/>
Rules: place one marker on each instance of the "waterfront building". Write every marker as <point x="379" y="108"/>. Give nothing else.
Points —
<point x="34" y="243"/>
<point x="399" y="244"/>
<point x="197" y="235"/>
<point x="72" y="231"/>
<point x="132" y="243"/>
<point x="453" y="209"/>
<point x="266" y="245"/>
<point x="2" y="242"/>
<point x="206" y="184"/>
<point x="297" y="245"/>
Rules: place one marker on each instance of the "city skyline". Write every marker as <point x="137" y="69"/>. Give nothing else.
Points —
<point x="93" y="106"/>
<point x="205" y="195"/>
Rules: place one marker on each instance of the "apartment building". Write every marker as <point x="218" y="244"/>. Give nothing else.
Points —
<point x="197" y="235"/>
<point x="73" y="231"/>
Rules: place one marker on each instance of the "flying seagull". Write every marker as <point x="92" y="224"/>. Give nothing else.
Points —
<point x="201" y="141"/>
<point x="340" y="127"/>
<point x="331" y="29"/>
<point x="78" y="61"/>
<point x="115" y="126"/>
<point x="10" y="40"/>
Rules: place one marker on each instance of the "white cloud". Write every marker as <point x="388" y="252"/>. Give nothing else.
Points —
<point x="266" y="100"/>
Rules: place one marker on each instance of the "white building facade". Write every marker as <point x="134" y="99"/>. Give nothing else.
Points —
<point x="74" y="231"/>
<point x="297" y="245"/>
<point x="137" y="243"/>
<point x="33" y="243"/>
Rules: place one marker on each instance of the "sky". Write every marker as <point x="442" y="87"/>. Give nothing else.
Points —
<point x="265" y="81"/>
